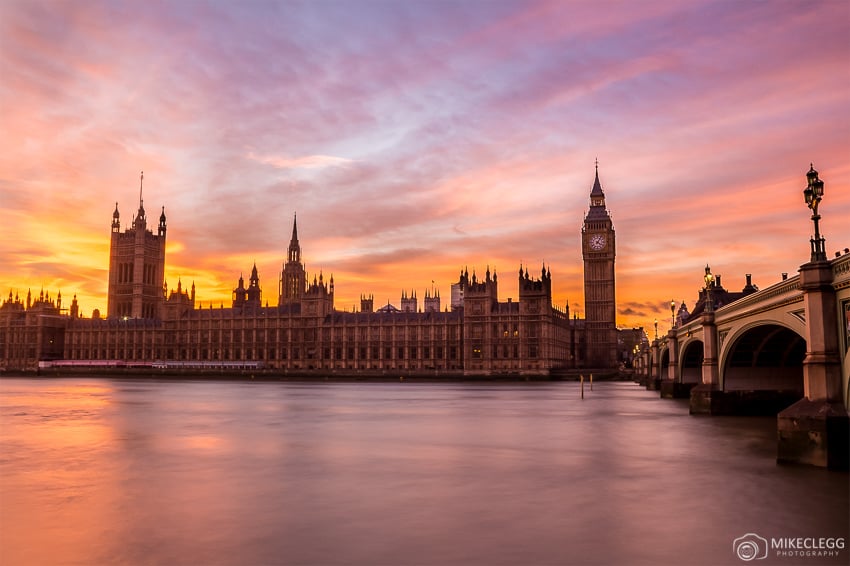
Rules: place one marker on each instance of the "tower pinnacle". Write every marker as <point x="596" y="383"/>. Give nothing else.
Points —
<point x="597" y="196"/>
<point x="141" y="214"/>
<point x="294" y="246"/>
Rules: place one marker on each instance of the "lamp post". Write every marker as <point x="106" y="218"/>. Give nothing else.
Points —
<point x="709" y="281"/>
<point x="673" y="313"/>
<point x="656" y="329"/>
<point x="813" y="193"/>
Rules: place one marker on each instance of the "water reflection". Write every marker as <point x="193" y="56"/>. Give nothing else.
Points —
<point x="98" y="471"/>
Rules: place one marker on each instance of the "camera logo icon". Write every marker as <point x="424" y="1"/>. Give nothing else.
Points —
<point x="750" y="547"/>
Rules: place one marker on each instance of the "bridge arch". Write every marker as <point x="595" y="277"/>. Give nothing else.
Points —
<point x="664" y="363"/>
<point x="690" y="361"/>
<point x="763" y="356"/>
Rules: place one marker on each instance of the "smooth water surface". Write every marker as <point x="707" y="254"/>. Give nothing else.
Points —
<point x="98" y="471"/>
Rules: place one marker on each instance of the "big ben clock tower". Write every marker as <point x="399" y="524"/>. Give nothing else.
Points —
<point x="598" y="251"/>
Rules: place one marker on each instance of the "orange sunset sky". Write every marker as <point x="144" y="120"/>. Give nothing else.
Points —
<point x="414" y="139"/>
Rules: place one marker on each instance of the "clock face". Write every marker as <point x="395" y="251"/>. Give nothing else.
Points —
<point x="597" y="241"/>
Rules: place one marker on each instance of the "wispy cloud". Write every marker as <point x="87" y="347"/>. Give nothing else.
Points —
<point x="304" y="162"/>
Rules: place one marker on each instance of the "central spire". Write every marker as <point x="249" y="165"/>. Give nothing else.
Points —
<point x="294" y="246"/>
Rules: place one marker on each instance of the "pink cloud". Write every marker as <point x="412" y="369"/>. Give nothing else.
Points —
<point x="304" y="162"/>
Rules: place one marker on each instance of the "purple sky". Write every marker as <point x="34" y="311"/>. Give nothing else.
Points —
<point x="413" y="139"/>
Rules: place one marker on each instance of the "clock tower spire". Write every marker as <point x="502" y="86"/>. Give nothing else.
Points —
<point x="599" y="251"/>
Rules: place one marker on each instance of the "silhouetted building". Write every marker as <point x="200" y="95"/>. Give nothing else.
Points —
<point x="719" y="296"/>
<point x="293" y="278"/>
<point x="600" y="308"/>
<point x="136" y="266"/>
<point x="479" y="335"/>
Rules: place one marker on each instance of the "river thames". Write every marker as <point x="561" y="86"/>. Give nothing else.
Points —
<point x="100" y="471"/>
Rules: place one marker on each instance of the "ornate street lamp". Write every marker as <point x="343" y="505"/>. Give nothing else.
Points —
<point x="673" y="312"/>
<point x="656" y="329"/>
<point x="813" y="193"/>
<point x="709" y="282"/>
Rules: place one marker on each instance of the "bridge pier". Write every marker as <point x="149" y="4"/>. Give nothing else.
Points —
<point x="709" y="401"/>
<point x="675" y="389"/>
<point x="814" y="433"/>
<point x="816" y="429"/>
<point x="706" y="397"/>
<point x="671" y="388"/>
<point x="653" y="379"/>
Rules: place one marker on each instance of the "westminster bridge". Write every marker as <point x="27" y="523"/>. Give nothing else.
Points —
<point x="784" y="349"/>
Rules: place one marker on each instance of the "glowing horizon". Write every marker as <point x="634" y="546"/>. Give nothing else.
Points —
<point x="417" y="139"/>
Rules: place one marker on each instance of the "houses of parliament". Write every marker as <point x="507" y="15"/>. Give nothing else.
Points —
<point x="146" y="325"/>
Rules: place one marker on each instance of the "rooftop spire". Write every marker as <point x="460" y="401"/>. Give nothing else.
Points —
<point x="294" y="248"/>
<point x="597" y="197"/>
<point x="597" y="186"/>
<point x="141" y="214"/>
